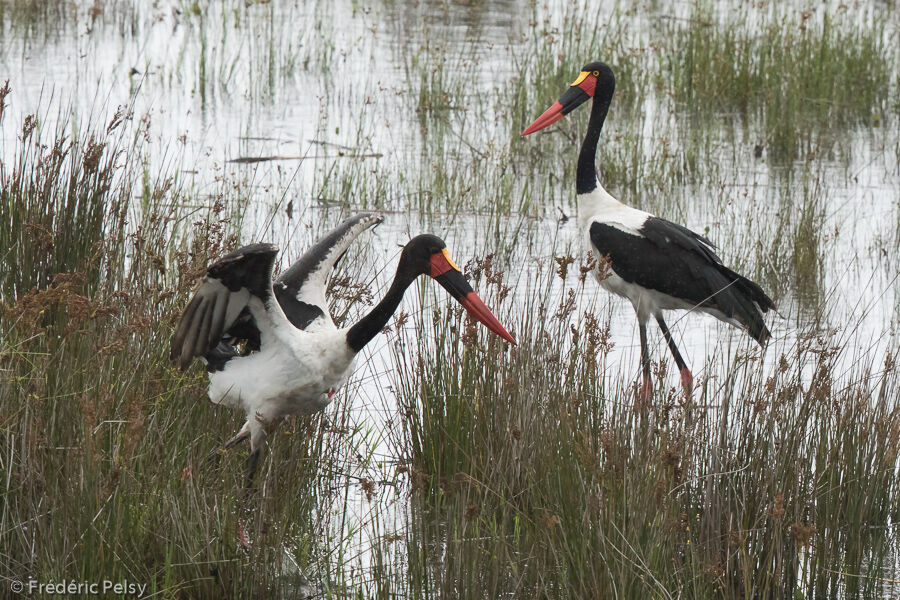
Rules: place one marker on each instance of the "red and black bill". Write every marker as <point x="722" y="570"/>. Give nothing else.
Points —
<point x="446" y="273"/>
<point x="578" y="93"/>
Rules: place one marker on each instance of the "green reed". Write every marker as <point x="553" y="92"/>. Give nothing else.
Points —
<point x="806" y="77"/>
<point x="534" y="473"/>
<point x="104" y="470"/>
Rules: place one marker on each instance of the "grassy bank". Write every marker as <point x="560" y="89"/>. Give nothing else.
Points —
<point x="763" y="486"/>
<point x="486" y="471"/>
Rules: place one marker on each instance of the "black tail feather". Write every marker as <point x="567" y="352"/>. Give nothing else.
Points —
<point x="747" y="302"/>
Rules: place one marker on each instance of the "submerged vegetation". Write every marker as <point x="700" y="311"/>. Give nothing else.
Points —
<point x="453" y="466"/>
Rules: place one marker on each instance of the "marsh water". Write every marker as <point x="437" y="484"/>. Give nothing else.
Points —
<point x="347" y="106"/>
<point x="323" y="84"/>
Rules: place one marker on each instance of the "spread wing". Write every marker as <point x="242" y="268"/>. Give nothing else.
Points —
<point x="301" y="289"/>
<point x="223" y="303"/>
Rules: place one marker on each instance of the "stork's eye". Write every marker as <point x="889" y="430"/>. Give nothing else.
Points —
<point x="596" y="73"/>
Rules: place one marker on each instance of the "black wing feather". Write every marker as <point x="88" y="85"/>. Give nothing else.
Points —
<point x="299" y="272"/>
<point x="219" y="305"/>
<point x="300" y="314"/>
<point x="674" y="260"/>
<point x="207" y="329"/>
<point x="664" y="233"/>
<point x="300" y="289"/>
<point x="248" y="267"/>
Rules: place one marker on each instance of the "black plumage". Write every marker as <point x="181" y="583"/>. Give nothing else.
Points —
<point x="247" y="267"/>
<point x="251" y="267"/>
<point x="658" y="265"/>
<point x="220" y="299"/>
<point x="675" y="261"/>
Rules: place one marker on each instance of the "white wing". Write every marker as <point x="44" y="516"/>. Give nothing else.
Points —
<point x="301" y="289"/>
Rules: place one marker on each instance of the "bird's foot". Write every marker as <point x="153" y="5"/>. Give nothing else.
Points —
<point x="217" y="452"/>
<point x="646" y="392"/>
<point x="242" y="538"/>
<point x="687" y="382"/>
<point x="212" y="459"/>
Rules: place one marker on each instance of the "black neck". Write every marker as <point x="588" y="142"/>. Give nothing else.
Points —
<point x="368" y="327"/>
<point x="586" y="174"/>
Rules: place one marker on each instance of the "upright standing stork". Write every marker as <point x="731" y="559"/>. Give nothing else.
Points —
<point x="272" y="349"/>
<point x="654" y="263"/>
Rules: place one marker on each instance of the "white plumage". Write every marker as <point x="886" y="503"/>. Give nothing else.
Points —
<point x="657" y="265"/>
<point x="272" y="349"/>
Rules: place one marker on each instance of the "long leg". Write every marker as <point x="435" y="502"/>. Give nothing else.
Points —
<point x="250" y="471"/>
<point x="257" y="439"/>
<point x="258" y="430"/>
<point x="687" y="380"/>
<point x="237" y="439"/>
<point x="647" y="383"/>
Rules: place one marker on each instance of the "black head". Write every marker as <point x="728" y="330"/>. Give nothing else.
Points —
<point x="595" y="80"/>
<point x="427" y="254"/>
<point x="422" y="254"/>
<point x="604" y="80"/>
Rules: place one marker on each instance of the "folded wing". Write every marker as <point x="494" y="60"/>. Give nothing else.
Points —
<point x="673" y="260"/>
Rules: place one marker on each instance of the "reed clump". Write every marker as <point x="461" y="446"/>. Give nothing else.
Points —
<point x="534" y="473"/>
<point x="103" y="440"/>
<point x="805" y="77"/>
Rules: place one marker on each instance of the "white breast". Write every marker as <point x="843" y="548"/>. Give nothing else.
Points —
<point x="599" y="206"/>
<point x="282" y="380"/>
